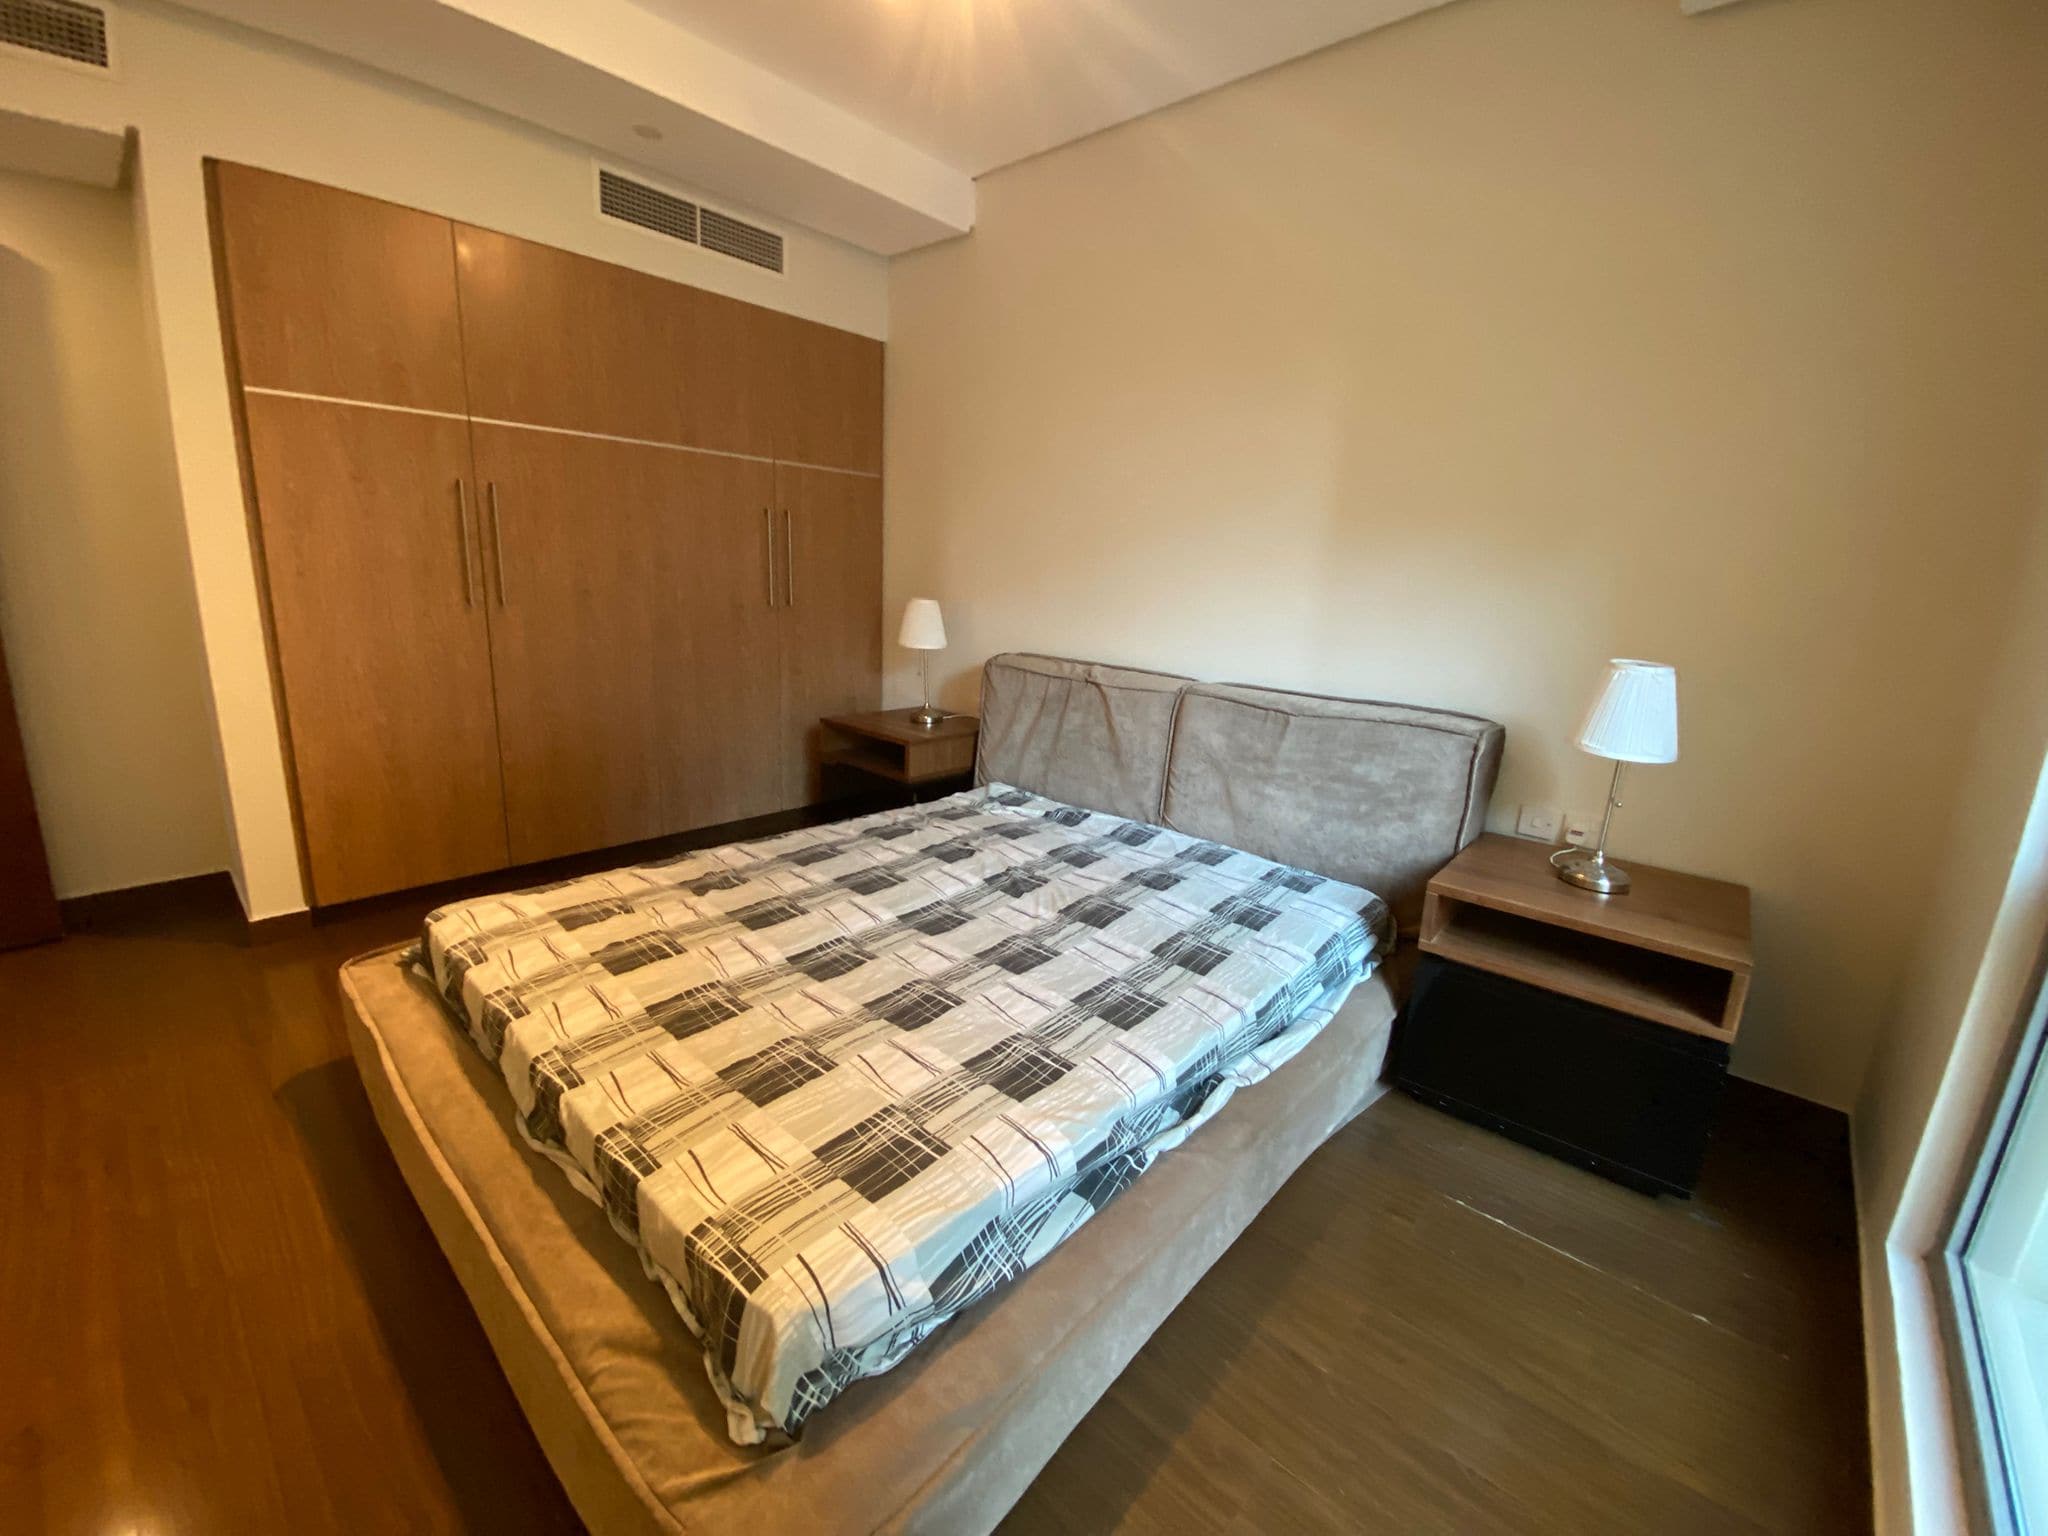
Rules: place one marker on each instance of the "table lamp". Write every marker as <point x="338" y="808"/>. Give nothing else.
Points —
<point x="1634" y="719"/>
<point x="923" y="630"/>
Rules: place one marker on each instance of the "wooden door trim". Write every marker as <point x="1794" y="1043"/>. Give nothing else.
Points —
<point x="655" y="442"/>
<point x="534" y="426"/>
<point x="831" y="469"/>
<point x="368" y="405"/>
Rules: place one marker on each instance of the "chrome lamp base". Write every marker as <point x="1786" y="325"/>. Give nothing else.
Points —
<point x="1592" y="872"/>
<point x="926" y="714"/>
<point x="1588" y="869"/>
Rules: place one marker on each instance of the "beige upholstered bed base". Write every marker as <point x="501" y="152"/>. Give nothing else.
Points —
<point x="944" y="1443"/>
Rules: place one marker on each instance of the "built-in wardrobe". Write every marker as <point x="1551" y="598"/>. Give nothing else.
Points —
<point x="555" y="555"/>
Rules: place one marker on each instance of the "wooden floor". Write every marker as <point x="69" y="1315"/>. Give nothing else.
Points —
<point x="221" y="1312"/>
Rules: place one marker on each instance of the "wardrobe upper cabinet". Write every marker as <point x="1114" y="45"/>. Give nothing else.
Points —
<point x="829" y="403"/>
<point x="559" y="340"/>
<point x="329" y="293"/>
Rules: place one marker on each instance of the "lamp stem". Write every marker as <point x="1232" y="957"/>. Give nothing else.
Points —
<point x="1607" y="816"/>
<point x="924" y="714"/>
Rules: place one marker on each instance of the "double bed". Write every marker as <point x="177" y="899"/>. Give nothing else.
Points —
<point x="1155" y="878"/>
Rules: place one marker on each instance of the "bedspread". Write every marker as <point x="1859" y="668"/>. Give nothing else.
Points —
<point x="839" y="1084"/>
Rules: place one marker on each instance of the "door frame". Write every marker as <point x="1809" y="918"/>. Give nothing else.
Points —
<point x="1950" y="1485"/>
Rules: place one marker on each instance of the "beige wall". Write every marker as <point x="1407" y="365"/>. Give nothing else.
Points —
<point x="95" y="594"/>
<point x="194" y="88"/>
<point x="1449" y="362"/>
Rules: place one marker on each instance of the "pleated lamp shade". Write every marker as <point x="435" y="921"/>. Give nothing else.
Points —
<point x="1635" y="718"/>
<point x="924" y="627"/>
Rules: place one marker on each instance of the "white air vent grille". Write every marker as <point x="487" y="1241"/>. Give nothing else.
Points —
<point x="648" y="207"/>
<point x="61" y="28"/>
<point x="634" y="202"/>
<point x="748" y="242"/>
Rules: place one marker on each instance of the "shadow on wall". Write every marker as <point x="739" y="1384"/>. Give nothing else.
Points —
<point x="96" y="603"/>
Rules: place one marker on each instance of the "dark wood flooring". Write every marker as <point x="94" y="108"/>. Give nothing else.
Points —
<point x="221" y="1312"/>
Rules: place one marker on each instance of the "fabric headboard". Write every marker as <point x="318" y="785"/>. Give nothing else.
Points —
<point x="1380" y="795"/>
<point x="1087" y="734"/>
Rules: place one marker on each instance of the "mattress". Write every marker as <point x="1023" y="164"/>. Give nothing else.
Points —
<point x="606" y="1370"/>
<point x="837" y="1086"/>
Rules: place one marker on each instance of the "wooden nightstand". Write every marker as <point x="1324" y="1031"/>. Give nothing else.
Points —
<point x="1594" y="1027"/>
<point x="886" y="744"/>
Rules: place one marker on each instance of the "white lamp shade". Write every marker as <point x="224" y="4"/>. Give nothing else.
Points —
<point x="1635" y="717"/>
<point x="924" y="628"/>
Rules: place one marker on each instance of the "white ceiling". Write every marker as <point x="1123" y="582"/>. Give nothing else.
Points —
<point x="643" y="90"/>
<point x="864" y="119"/>
<point x="978" y="84"/>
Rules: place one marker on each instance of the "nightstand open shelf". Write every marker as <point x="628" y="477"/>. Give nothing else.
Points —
<point x="1674" y="950"/>
<point x="1661" y="988"/>
<point x="887" y="744"/>
<point x="879" y="761"/>
<point x="1594" y="1027"/>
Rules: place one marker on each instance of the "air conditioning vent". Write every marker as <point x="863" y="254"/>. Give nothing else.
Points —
<point x="634" y="202"/>
<point x="63" y="29"/>
<point x="748" y="242"/>
<point x="649" y="207"/>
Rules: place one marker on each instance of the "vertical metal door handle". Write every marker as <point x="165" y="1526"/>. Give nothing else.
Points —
<point x="768" y="541"/>
<point x="462" y="541"/>
<point x="497" y="538"/>
<point x="788" y="560"/>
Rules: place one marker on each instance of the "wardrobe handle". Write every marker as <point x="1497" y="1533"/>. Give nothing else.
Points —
<point x="788" y="560"/>
<point x="768" y="542"/>
<point x="462" y="541"/>
<point x="497" y="538"/>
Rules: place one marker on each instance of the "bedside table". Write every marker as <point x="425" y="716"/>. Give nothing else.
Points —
<point x="886" y="744"/>
<point x="1594" y="1027"/>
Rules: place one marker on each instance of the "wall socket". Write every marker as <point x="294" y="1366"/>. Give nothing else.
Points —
<point x="1539" y="821"/>
<point x="1581" y="828"/>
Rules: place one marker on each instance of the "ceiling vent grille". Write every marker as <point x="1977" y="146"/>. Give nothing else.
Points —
<point x="634" y="202"/>
<point x="747" y="242"/>
<point x="63" y="29"/>
<point x="648" y="207"/>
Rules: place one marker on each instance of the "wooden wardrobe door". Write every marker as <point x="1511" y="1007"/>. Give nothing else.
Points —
<point x="831" y="572"/>
<point x="581" y="650"/>
<point x="726" y="760"/>
<point x="830" y="403"/>
<point x="335" y="294"/>
<point x="382" y="644"/>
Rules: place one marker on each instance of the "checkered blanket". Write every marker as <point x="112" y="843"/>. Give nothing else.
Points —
<point x="840" y="1084"/>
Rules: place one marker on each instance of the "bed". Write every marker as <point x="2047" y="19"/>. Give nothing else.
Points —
<point x="1367" y="795"/>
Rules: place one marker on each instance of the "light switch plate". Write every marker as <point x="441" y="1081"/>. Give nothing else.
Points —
<point x="1581" y="829"/>
<point x="1540" y="822"/>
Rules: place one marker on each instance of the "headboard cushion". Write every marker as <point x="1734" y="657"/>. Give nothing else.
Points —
<point x="1091" y="735"/>
<point x="1380" y="795"/>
